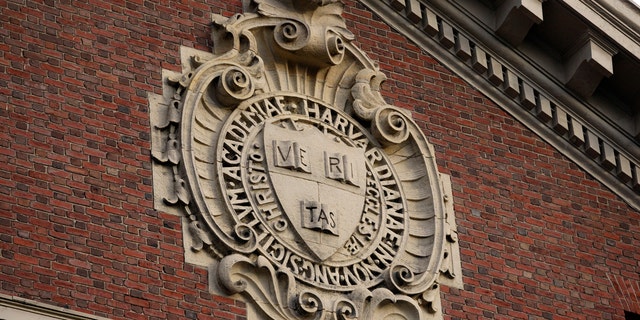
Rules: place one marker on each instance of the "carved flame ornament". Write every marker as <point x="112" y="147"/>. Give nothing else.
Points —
<point x="317" y="199"/>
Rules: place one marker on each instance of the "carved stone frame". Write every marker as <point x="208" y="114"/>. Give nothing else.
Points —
<point x="291" y="65"/>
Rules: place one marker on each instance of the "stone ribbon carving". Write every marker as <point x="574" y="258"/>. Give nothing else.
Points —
<point x="318" y="199"/>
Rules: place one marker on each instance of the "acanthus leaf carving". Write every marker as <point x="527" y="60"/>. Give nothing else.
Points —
<point x="200" y="236"/>
<point x="366" y="93"/>
<point x="382" y="303"/>
<point x="180" y="193"/>
<point x="390" y="126"/>
<point x="431" y="299"/>
<point x="275" y="290"/>
<point x="345" y="309"/>
<point x="310" y="306"/>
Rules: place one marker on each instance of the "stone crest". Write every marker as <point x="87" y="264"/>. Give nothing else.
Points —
<point x="316" y="198"/>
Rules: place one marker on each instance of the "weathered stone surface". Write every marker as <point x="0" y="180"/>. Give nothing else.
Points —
<point x="309" y="193"/>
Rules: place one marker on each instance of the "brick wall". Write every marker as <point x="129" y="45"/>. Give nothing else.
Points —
<point x="540" y="239"/>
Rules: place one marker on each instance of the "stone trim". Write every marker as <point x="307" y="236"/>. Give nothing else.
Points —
<point x="15" y="307"/>
<point x="588" y="62"/>
<point x="516" y="17"/>
<point x="618" y="19"/>
<point x="538" y="109"/>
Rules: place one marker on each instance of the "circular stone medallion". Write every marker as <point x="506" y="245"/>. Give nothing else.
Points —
<point x="312" y="188"/>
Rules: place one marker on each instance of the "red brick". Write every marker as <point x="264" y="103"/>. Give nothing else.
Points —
<point x="542" y="223"/>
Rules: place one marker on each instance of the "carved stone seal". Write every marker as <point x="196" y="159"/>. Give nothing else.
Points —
<point x="315" y="189"/>
<point x="317" y="199"/>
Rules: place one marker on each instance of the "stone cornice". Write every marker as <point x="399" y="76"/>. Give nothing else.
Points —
<point x="536" y="99"/>
<point x="616" y="18"/>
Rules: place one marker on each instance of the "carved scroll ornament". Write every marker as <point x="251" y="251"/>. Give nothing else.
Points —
<point x="318" y="199"/>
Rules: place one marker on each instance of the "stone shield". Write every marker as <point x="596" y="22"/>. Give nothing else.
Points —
<point x="319" y="181"/>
